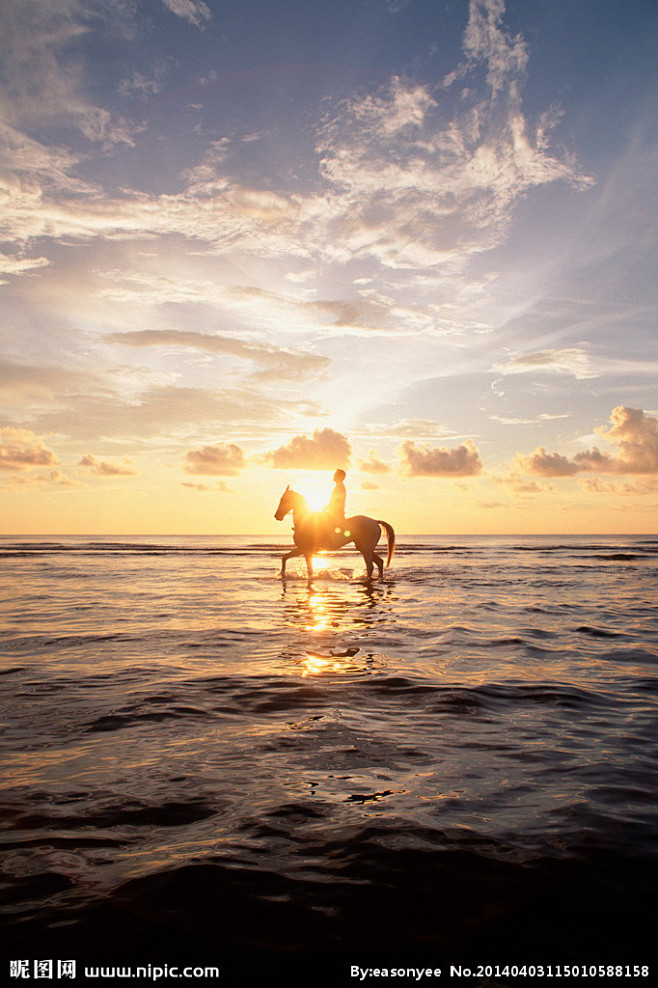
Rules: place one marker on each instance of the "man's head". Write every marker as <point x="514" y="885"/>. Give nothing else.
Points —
<point x="339" y="476"/>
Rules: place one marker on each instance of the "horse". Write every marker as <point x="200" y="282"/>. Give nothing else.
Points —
<point x="314" y="531"/>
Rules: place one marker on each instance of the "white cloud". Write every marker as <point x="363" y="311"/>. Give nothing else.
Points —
<point x="17" y="265"/>
<point x="194" y="11"/>
<point x="568" y="360"/>
<point x="413" y="189"/>
<point x="486" y="40"/>
<point x="401" y="185"/>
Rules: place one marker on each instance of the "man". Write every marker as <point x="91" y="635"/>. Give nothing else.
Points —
<point x="334" y="513"/>
<point x="336" y="506"/>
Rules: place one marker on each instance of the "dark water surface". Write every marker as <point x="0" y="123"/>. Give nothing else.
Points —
<point x="455" y="766"/>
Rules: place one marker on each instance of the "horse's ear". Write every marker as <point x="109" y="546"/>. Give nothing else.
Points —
<point x="287" y="489"/>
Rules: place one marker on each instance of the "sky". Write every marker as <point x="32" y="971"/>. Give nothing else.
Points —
<point x="244" y="243"/>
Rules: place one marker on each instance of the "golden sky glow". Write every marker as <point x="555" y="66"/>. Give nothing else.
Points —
<point x="411" y="239"/>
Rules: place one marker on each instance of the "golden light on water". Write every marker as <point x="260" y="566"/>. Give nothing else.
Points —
<point x="318" y="665"/>
<point x="319" y="614"/>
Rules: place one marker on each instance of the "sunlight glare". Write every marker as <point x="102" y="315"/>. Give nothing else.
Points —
<point x="316" y="490"/>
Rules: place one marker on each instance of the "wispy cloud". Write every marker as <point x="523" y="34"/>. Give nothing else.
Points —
<point x="274" y="361"/>
<point x="194" y="11"/>
<point x="17" y="264"/>
<point x="400" y="183"/>
<point x="205" y="488"/>
<point x="169" y="411"/>
<point x="42" y="84"/>
<point x="487" y="40"/>
<point x="568" y="360"/>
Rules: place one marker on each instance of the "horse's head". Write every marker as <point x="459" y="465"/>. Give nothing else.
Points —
<point x="287" y="503"/>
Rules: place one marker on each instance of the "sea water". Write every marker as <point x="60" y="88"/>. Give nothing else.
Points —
<point x="453" y="768"/>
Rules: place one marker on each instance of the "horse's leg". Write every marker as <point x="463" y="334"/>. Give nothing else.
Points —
<point x="309" y="564"/>
<point x="367" y="555"/>
<point x="289" y="555"/>
<point x="380" y="564"/>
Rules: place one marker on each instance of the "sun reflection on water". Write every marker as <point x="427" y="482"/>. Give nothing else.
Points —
<point x="318" y="612"/>
<point x="318" y="665"/>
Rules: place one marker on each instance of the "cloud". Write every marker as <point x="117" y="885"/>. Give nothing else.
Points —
<point x="520" y="486"/>
<point x="416" y="428"/>
<point x="398" y="181"/>
<point x="20" y="265"/>
<point x="487" y="41"/>
<point x="33" y="389"/>
<point x="545" y="464"/>
<point x="55" y="477"/>
<point x="373" y="464"/>
<point x="569" y="360"/>
<point x="543" y="417"/>
<point x="634" y="432"/>
<point x="104" y="469"/>
<point x="194" y="11"/>
<point x="414" y="189"/>
<point x="220" y="460"/>
<point x="461" y="461"/>
<point x="141" y="85"/>
<point x="275" y="361"/>
<point x="594" y="485"/>
<point x="43" y="82"/>
<point x="204" y="488"/>
<point x="325" y="450"/>
<point x="20" y="449"/>
<point x="165" y="411"/>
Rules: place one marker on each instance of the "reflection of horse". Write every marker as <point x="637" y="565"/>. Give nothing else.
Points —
<point x="315" y="531"/>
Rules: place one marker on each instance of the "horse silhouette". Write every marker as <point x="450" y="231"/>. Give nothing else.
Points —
<point x="314" y="531"/>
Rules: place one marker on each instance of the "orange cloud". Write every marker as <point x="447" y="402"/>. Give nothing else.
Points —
<point x="104" y="469"/>
<point x="637" y="436"/>
<point x="222" y="459"/>
<point x="204" y="488"/>
<point x="20" y="450"/>
<point x="325" y="450"/>
<point x="373" y="464"/>
<point x="545" y="464"/>
<point x="634" y="432"/>
<point x="461" y="461"/>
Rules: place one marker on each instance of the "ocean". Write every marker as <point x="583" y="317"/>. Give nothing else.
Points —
<point x="452" y="770"/>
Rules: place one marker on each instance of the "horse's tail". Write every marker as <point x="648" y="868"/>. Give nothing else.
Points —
<point x="390" y="538"/>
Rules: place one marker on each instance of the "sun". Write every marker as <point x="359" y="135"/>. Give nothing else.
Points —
<point x="316" y="490"/>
